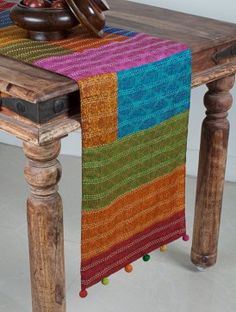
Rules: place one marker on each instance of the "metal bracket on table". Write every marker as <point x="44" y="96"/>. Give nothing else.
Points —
<point x="224" y="54"/>
<point x="42" y="112"/>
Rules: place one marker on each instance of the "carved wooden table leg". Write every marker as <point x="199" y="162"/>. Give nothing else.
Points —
<point x="45" y="227"/>
<point x="211" y="172"/>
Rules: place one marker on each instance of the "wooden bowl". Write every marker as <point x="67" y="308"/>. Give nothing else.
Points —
<point x="44" y="24"/>
<point x="90" y="14"/>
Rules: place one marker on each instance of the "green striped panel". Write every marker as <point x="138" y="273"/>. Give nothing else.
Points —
<point x="29" y="51"/>
<point x="133" y="161"/>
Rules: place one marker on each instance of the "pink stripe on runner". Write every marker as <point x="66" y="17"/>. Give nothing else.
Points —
<point x="136" y="51"/>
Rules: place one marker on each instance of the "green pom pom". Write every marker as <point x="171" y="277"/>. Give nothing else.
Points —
<point x="105" y="281"/>
<point x="146" y="258"/>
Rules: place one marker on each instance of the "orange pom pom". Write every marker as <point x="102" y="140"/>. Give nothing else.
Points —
<point x="129" y="268"/>
<point x="163" y="248"/>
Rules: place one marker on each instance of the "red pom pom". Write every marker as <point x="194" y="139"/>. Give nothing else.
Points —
<point x="83" y="293"/>
<point x="185" y="237"/>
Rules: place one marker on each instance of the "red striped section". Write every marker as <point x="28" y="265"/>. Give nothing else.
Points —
<point x="5" y="5"/>
<point x="109" y="262"/>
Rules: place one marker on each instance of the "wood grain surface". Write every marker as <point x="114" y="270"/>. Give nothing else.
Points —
<point x="211" y="172"/>
<point x="31" y="83"/>
<point x="199" y="33"/>
<point x="204" y="37"/>
<point x="45" y="227"/>
<point x="29" y="131"/>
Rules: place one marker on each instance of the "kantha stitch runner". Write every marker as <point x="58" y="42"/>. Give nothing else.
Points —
<point x="135" y="95"/>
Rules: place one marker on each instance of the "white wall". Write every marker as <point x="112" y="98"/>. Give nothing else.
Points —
<point x="212" y="8"/>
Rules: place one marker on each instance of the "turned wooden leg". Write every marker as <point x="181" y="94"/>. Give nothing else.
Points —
<point x="45" y="227"/>
<point x="211" y="172"/>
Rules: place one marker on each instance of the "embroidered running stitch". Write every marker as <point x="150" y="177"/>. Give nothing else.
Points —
<point x="134" y="98"/>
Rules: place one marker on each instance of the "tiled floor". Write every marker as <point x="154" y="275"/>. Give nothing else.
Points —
<point x="168" y="283"/>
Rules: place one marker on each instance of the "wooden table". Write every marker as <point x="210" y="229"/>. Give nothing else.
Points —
<point x="213" y="46"/>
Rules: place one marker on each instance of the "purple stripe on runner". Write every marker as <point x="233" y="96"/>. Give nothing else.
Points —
<point x="136" y="51"/>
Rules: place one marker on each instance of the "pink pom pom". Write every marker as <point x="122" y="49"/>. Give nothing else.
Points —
<point x="185" y="237"/>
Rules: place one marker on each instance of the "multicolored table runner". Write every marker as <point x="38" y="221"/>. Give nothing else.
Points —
<point x="135" y="95"/>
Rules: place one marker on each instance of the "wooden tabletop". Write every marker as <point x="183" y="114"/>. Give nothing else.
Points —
<point x="199" y="33"/>
<point x="204" y="37"/>
<point x="30" y="83"/>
